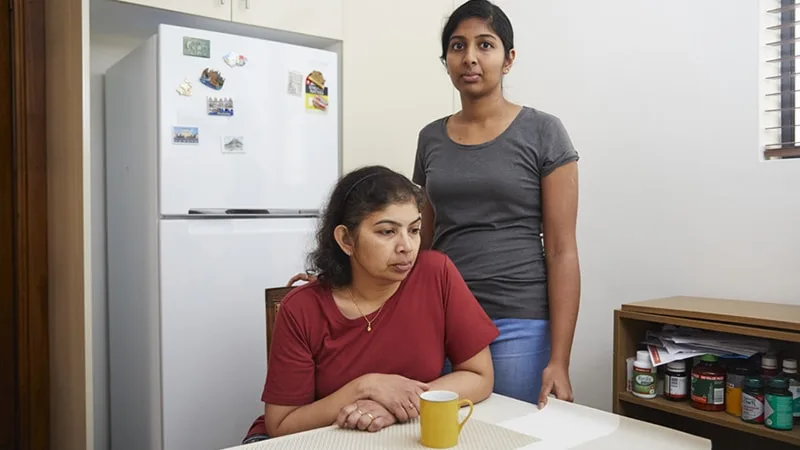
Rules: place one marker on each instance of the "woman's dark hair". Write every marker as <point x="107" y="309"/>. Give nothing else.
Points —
<point x="495" y="18"/>
<point x="356" y="195"/>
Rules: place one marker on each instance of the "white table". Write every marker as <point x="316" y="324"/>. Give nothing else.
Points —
<point x="562" y="425"/>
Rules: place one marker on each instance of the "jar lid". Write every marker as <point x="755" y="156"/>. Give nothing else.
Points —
<point x="769" y="362"/>
<point x="779" y="383"/>
<point x="753" y="382"/>
<point x="678" y="366"/>
<point x="643" y="355"/>
<point x="790" y="363"/>
<point x="709" y="358"/>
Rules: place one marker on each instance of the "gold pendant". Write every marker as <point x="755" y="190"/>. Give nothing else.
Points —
<point x="369" y="328"/>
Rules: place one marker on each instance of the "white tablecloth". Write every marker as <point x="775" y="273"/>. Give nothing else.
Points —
<point x="560" y="425"/>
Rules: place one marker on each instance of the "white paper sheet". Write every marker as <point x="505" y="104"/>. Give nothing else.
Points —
<point x="564" y="424"/>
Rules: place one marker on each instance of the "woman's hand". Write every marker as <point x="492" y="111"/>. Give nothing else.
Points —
<point x="301" y="277"/>
<point x="397" y="394"/>
<point x="367" y="415"/>
<point x="555" y="380"/>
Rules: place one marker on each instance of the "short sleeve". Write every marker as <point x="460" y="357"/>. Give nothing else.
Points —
<point x="290" y="369"/>
<point x="556" y="147"/>
<point x="468" y="329"/>
<point x="418" y="176"/>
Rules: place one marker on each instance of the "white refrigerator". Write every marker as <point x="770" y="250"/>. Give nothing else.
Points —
<point x="220" y="151"/>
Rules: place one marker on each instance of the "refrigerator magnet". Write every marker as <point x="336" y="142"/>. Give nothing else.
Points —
<point x="295" y="83"/>
<point x="234" y="59"/>
<point x="200" y="48"/>
<point x="219" y="106"/>
<point x="212" y="78"/>
<point x="316" y="92"/>
<point x="185" y="88"/>
<point x="233" y="144"/>
<point x="185" y="135"/>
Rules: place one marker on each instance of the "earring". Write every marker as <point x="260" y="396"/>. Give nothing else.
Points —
<point x="505" y="70"/>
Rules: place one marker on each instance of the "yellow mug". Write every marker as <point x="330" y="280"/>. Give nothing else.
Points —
<point x="438" y="418"/>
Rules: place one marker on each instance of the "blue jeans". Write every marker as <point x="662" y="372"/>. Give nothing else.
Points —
<point x="519" y="356"/>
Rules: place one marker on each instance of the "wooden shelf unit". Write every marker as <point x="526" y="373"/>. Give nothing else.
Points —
<point x="777" y="322"/>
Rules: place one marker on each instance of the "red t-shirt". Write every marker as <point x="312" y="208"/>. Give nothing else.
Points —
<point x="316" y="350"/>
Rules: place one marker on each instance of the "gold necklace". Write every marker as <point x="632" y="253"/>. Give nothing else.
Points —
<point x="369" y="322"/>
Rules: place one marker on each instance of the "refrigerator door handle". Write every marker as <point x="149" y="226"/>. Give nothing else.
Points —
<point x="253" y="212"/>
<point x="221" y="2"/>
<point x="246" y="4"/>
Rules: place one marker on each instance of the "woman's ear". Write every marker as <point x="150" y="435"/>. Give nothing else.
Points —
<point x="344" y="239"/>
<point x="512" y="55"/>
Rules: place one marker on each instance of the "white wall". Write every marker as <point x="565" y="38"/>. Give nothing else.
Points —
<point x="662" y="107"/>
<point x="394" y="83"/>
<point x="661" y="100"/>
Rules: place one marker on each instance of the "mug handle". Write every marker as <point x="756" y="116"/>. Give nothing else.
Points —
<point x="462" y="403"/>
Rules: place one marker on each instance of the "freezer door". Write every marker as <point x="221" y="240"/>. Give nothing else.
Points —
<point x="275" y="150"/>
<point x="213" y="332"/>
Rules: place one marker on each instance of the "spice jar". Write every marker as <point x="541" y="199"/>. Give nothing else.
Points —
<point x="708" y="384"/>
<point x="778" y="405"/>
<point x="753" y="400"/>
<point x="676" y="381"/>
<point x="733" y="389"/>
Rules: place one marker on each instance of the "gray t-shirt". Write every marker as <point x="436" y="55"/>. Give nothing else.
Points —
<point x="488" y="205"/>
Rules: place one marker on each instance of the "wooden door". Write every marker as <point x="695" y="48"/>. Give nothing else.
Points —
<point x="8" y="359"/>
<point x="24" y="368"/>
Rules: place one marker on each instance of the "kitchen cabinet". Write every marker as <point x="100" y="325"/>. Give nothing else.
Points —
<point x="777" y="322"/>
<point x="321" y="18"/>
<point x="215" y="9"/>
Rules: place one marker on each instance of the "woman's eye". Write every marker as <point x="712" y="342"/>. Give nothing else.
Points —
<point x="386" y="232"/>
<point x="457" y="46"/>
<point x="415" y="231"/>
<point x="486" y="45"/>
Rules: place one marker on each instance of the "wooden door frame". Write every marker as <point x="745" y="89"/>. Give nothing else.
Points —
<point x="30" y="225"/>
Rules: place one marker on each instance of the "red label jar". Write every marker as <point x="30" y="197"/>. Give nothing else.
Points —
<point x="708" y="384"/>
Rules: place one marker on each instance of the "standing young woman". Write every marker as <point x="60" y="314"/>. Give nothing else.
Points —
<point x="498" y="177"/>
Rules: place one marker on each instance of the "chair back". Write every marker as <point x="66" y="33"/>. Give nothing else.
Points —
<point x="273" y="297"/>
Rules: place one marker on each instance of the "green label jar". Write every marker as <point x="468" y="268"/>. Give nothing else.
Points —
<point x="644" y="383"/>
<point x="778" y="405"/>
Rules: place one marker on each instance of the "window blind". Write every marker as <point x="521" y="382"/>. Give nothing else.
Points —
<point x="781" y="66"/>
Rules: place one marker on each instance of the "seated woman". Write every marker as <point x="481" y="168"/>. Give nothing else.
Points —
<point x="358" y="345"/>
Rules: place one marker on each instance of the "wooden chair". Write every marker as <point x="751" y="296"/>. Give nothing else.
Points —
<point x="274" y="296"/>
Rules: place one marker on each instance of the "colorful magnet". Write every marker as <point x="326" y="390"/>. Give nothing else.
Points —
<point x="316" y="92"/>
<point x="185" y="88"/>
<point x="212" y="79"/>
<point x="219" y="106"/>
<point x="233" y="144"/>
<point x="185" y="135"/>
<point x="233" y="59"/>
<point x="295" y="83"/>
<point x="200" y="48"/>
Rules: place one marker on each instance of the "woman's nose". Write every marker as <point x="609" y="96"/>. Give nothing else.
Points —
<point x="404" y="244"/>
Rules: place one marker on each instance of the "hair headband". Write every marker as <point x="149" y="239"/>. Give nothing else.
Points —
<point x="360" y="180"/>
